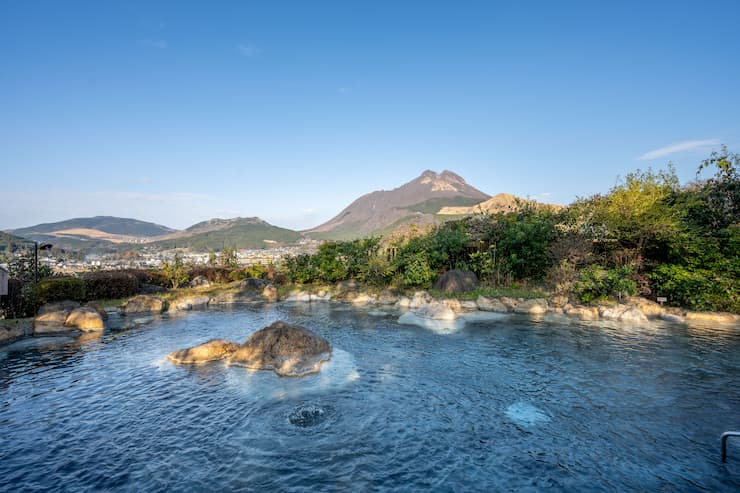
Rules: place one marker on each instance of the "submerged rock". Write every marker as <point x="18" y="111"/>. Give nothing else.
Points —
<point x="289" y="350"/>
<point x="85" y="318"/>
<point x="144" y="303"/>
<point x="456" y="281"/>
<point x="213" y="350"/>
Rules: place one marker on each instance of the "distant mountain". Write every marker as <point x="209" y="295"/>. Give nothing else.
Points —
<point x="382" y="211"/>
<point x="239" y="232"/>
<point x="98" y="227"/>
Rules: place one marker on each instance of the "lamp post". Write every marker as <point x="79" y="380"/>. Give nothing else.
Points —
<point x="37" y="247"/>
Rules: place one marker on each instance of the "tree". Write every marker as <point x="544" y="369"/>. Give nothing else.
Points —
<point x="229" y="258"/>
<point x="175" y="272"/>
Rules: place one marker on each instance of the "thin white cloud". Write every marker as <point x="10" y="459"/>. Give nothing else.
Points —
<point x="687" y="145"/>
<point x="249" y="50"/>
<point x="159" y="44"/>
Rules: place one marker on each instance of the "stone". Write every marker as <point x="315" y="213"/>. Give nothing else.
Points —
<point x="468" y="305"/>
<point x="456" y="281"/>
<point x="403" y="302"/>
<point x="190" y="303"/>
<point x="557" y="301"/>
<point x="200" y="282"/>
<point x="231" y="297"/>
<point x="387" y="297"/>
<point x="270" y="293"/>
<point x="51" y="322"/>
<point x="536" y="306"/>
<point x="288" y="350"/>
<point x="364" y="299"/>
<point x="712" y="318"/>
<point x="623" y="313"/>
<point x="252" y="283"/>
<point x="453" y="304"/>
<point x="298" y="296"/>
<point x="213" y="350"/>
<point x="145" y="304"/>
<point x="98" y="308"/>
<point x="491" y="305"/>
<point x="582" y="312"/>
<point x="509" y="303"/>
<point x="85" y="318"/>
<point x="420" y="299"/>
<point x="12" y="331"/>
<point x="647" y="307"/>
<point x="435" y="311"/>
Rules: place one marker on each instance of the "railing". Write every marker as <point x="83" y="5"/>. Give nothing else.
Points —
<point x="724" y="438"/>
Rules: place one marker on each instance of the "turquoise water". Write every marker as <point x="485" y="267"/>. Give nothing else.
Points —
<point x="494" y="405"/>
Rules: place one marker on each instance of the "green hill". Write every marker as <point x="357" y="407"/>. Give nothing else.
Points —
<point x="106" y="224"/>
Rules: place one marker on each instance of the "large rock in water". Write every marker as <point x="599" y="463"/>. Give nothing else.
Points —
<point x="289" y="350"/>
<point x="456" y="281"/>
<point x="85" y="318"/>
<point x="145" y="304"/>
<point x="213" y="350"/>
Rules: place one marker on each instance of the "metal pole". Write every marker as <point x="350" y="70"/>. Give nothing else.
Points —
<point x="724" y="438"/>
<point x="36" y="261"/>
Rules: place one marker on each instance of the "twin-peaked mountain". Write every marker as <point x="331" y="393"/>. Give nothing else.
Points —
<point x="380" y="212"/>
<point x="428" y="199"/>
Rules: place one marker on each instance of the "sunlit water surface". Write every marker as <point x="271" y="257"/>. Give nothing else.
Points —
<point x="509" y="404"/>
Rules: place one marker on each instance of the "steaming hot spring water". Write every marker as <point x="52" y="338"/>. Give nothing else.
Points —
<point x="492" y="404"/>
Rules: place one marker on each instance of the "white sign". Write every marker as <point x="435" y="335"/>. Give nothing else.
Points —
<point x="662" y="299"/>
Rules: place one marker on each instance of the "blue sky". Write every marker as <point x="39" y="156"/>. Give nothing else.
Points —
<point x="175" y="112"/>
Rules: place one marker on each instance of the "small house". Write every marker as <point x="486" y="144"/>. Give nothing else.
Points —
<point x="4" y="275"/>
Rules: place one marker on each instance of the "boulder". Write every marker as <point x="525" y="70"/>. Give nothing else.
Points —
<point x="387" y="297"/>
<point x="491" y="305"/>
<point x="365" y="299"/>
<point x="12" y="331"/>
<point x="435" y="311"/>
<point x="403" y="302"/>
<point x="298" y="296"/>
<point x="252" y="283"/>
<point x="213" y="350"/>
<point x="536" y="306"/>
<point x="98" y="308"/>
<point x="647" y="307"/>
<point x="231" y="297"/>
<point x="51" y="317"/>
<point x="288" y="350"/>
<point x="85" y="318"/>
<point x="190" y="303"/>
<point x="145" y="304"/>
<point x="712" y="318"/>
<point x="420" y="299"/>
<point x="200" y="282"/>
<point x="557" y="301"/>
<point x="453" y="304"/>
<point x="456" y="281"/>
<point x="582" y="312"/>
<point x="509" y="303"/>
<point x="270" y="293"/>
<point x="623" y="313"/>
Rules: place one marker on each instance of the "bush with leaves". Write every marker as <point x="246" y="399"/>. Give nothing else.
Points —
<point x="175" y="272"/>
<point x="60" y="288"/>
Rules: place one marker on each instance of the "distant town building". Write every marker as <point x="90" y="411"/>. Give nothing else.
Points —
<point x="4" y="275"/>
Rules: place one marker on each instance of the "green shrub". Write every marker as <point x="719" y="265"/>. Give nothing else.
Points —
<point x="597" y="283"/>
<point x="102" y="285"/>
<point x="697" y="289"/>
<point x="60" y="288"/>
